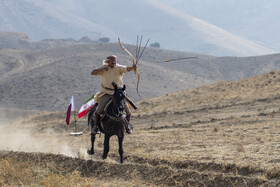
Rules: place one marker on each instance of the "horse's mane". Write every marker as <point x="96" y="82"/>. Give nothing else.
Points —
<point x="113" y="120"/>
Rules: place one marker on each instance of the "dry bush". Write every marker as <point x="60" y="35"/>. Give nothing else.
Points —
<point x="136" y="179"/>
<point x="13" y="173"/>
<point x="262" y="177"/>
<point x="72" y="179"/>
<point x="216" y="129"/>
<point x="240" y="147"/>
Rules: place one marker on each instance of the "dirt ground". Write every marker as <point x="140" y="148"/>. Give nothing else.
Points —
<point x="226" y="134"/>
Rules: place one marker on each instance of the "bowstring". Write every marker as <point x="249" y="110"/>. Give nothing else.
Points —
<point x="131" y="73"/>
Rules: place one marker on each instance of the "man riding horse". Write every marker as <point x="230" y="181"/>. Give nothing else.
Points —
<point x="110" y="72"/>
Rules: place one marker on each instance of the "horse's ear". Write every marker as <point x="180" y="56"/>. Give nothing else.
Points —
<point x="124" y="87"/>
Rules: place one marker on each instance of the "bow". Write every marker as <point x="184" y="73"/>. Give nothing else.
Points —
<point x="135" y="69"/>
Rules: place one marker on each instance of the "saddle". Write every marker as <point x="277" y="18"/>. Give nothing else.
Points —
<point x="103" y="115"/>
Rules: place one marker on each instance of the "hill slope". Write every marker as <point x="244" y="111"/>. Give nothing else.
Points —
<point x="219" y="135"/>
<point x="254" y="20"/>
<point x="46" y="79"/>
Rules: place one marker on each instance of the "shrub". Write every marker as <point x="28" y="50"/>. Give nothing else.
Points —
<point x="156" y="44"/>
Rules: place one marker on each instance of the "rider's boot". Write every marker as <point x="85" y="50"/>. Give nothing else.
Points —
<point x="96" y="123"/>
<point x="128" y="127"/>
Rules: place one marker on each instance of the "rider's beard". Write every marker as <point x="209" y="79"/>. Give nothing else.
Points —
<point x="112" y="65"/>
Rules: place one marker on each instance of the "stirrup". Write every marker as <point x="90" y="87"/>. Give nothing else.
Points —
<point x="95" y="130"/>
<point x="129" y="128"/>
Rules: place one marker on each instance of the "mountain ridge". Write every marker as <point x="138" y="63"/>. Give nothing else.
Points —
<point x="179" y="31"/>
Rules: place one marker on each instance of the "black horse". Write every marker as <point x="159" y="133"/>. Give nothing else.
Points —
<point x="113" y="122"/>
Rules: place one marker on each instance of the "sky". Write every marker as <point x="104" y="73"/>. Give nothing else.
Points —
<point x="216" y="27"/>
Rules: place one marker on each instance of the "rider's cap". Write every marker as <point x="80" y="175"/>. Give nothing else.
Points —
<point x="112" y="57"/>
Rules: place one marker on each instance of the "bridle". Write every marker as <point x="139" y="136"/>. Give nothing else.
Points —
<point x="117" y="114"/>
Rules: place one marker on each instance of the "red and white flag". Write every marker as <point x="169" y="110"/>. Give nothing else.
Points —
<point x="71" y="107"/>
<point x="86" y="107"/>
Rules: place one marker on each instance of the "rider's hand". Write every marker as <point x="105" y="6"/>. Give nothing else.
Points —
<point x="106" y="68"/>
<point x="134" y="66"/>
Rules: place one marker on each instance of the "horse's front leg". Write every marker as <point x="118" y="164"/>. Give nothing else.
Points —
<point x="91" y="151"/>
<point x="106" y="146"/>
<point x="121" y="148"/>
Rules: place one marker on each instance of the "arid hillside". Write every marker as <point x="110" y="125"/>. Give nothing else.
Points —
<point x="46" y="79"/>
<point x="223" y="134"/>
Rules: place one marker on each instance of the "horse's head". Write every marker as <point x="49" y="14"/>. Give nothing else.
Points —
<point x="119" y="97"/>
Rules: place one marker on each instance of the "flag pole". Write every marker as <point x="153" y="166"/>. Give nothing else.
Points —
<point x="75" y="133"/>
<point x="75" y="120"/>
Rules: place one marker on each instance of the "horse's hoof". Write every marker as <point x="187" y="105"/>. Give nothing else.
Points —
<point x="104" y="157"/>
<point x="90" y="152"/>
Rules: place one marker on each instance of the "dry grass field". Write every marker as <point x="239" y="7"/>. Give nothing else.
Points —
<point x="225" y="134"/>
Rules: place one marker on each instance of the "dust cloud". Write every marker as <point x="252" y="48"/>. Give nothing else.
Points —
<point x="5" y="118"/>
<point x="9" y="115"/>
<point x="15" y="138"/>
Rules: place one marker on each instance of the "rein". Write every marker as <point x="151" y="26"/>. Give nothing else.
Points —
<point x="117" y="116"/>
<point x="120" y="118"/>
